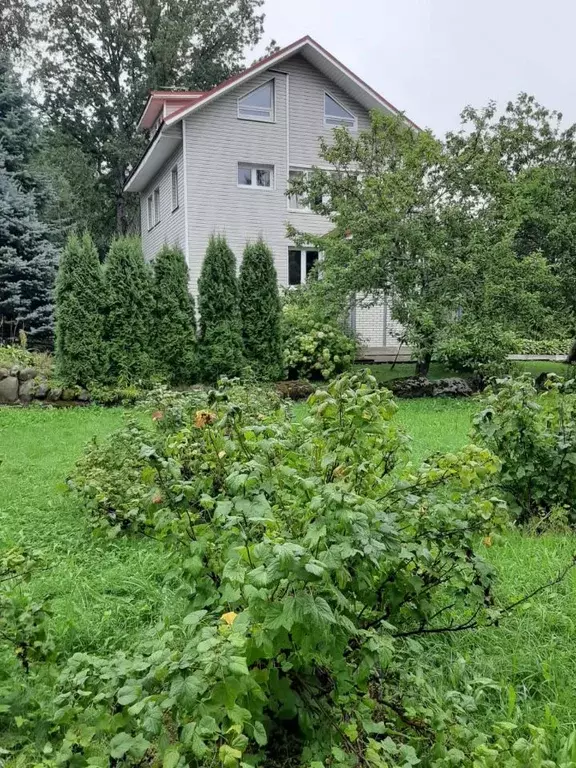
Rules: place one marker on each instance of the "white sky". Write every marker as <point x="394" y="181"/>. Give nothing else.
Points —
<point x="432" y="57"/>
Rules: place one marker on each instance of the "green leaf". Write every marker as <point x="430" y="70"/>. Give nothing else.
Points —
<point x="171" y="757"/>
<point x="260" y="734"/>
<point x="120" y="745"/>
<point x="192" y="619"/>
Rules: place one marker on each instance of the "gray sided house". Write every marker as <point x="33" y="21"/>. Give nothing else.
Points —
<point x="219" y="162"/>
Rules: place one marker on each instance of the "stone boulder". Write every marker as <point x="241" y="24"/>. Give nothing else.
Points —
<point x="26" y="390"/>
<point x="54" y="394"/>
<point x="295" y="390"/>
<point x="26" y="374"/>
<point x="419" y="386"/>
<point x="4" y="373"/>
<point x="9" y="390"/>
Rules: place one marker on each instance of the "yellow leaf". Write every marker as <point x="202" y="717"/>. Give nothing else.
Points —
<point x="229" y="618"/>
<point x="487" y="541"/>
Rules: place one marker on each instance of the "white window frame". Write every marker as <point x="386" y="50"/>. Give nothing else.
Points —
<point x="333" y="124"/>
<point x="306" y="170"/>
<point x="175" y="181"/>
<point x="150" y="211"/>
<point x="254" y="168"/>
<point x="268" y="115"/>
<point x="157" y="206"/>
<point x="303" y="273"/>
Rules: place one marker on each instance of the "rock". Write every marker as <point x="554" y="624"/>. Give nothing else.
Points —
<point x="54" y="394"/>
<point x="42" y="389"/>
<point x="295" y="390"/>
<point x="25" y="374"/>
<point x="83" y="396"/>
<point x="4" y="373"/>
<point x="412" y="386"/>
<point x="418" y="386"/>
<point x="9" y="390"/>
<point x="68" y="394"/>
<point x="26" y="391"/>
<point x="452" y="388"/>
<point x="15" y="370"/>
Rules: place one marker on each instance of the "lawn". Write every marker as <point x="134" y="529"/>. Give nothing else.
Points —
<point x="106" y="593"/>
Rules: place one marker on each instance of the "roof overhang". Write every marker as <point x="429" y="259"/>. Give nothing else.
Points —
<point x="162" y="103"/>
<point x="159" y="151"/>
<point x="318" y="56"/>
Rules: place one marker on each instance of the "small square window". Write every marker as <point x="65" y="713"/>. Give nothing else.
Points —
<point x="255" y="175"/>
<point x="263" y="177"/>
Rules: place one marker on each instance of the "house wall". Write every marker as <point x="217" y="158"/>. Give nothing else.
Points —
<point x="216" y="141"/>
<point x="171" y="228"/>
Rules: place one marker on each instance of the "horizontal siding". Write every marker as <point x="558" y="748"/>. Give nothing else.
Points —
<point x="171" y="229"/>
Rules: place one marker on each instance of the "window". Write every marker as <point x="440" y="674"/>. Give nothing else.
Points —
<point x="258" y="104"/>
<point x="175" y="192"/>
<point x="298" y="202"/>
<point x="156" y="206"/>
<point x="336" y="114"/>
<point x="261" y="176"/>
<point x="150" y="212"/>
<point x="300" y="263"/>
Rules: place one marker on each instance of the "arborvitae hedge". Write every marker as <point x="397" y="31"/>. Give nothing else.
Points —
<point x="220" y="346"/>
<point x="174" y="317"/>
<point x="261" y="311"/>
<point x="129" y="330"/>
<point x="80" y="314"/>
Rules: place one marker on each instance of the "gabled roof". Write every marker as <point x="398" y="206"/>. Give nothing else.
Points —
<point x="162" y="144"/>
<point x="158" y="99"/>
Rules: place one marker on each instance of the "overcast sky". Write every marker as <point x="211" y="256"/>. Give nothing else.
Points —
<point x="432" y="57"/>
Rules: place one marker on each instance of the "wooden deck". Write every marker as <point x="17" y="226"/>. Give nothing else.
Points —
<point x="385" y="355"/>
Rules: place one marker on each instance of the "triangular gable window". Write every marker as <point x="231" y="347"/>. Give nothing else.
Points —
<point x="258" y="104"/>
<point x="336" y="114"/>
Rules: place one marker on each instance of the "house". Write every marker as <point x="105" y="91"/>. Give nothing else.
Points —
<point x="220" y="162"/>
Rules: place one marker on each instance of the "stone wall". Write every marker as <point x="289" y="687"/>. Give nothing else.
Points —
<point x="21" y="386"/>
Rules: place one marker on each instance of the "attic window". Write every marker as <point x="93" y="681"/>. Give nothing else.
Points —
<point x="336" y="114"/>
<point x="258" y="104"/>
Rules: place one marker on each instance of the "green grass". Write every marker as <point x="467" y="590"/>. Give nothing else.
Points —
<point x="104" y="592"/>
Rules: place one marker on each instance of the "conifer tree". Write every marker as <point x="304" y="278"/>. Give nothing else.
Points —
<point x="220" y="347"/>
<point x="260" y="310"/>
<point x="129" y="331"/>
<point x="174" y="317"/>
<point x="80" y="313"/>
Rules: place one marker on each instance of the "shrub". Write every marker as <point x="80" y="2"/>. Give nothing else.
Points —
<point x="312" y="349"/>
<point x="261" y="312"/>
<point x="309" y="552"/>
<point x="543" y="347"/>
<point x="534" y="437"/>
<point x="129" y="328"/>
<point x="80" y="308"/>
<point x="174" y="317"/>
<point x="477" y="348"/>
<point x="220" y="345"/>
<point x="11" y="355"/>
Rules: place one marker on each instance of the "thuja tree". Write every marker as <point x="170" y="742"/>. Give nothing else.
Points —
<point x="260" y="310"/>
<point x="221" y="349"/>
<point x="129" y="331"/>
<point x="80" y="308"/>
<point x="174" y="317"/>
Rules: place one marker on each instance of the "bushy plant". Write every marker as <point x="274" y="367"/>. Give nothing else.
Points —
<point x="261" y="311"/>
<point x="534" y="437"/>
<point x="13" y="354"/>
<point x="174" y="317"/>
<point x="477" y="348"/>
<point x="220" y="342"/>
<point x="543" y="346"/>
<point x="80" y="314"/>
<point x="310" y="552"/>
<point x="314" y="349"/>
<point x="129" y="328"/>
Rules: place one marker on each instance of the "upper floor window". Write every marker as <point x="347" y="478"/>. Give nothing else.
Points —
<point x="336" y="114"/>
<point x="258" y="104"/>
<point x="261" y="176"/>
<point x="175" y="190"/>
<point x="153" y="208"/>
<point x="298" y="202"/>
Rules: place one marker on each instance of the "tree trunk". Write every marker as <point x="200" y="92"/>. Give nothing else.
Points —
<point x="423" y="365"/>
<point x="572" y="354"/>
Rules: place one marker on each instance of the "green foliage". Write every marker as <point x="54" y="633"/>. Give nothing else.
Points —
<point x="482" y="349"/>
<point x="534" y="437"/>
<point x="11" y="355"/>
<point x="220" y="345"/>
<point x="313" y="349"/>
<point x="174" y="317"/>
<point x="80" y="314"/>
<point x="307" y="562"/>
<point x="129" y="328"/>
<point x="261" y="311"/>
<point x="543" y="346"/>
